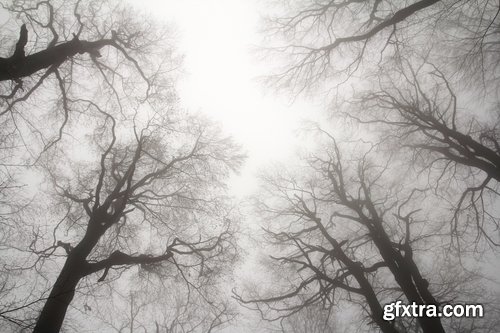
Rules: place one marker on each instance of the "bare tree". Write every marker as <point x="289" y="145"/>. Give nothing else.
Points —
<point x="148" y="184"/>
<point x="427" y="73"/>
<point x="349" y="229"/>
<point x="417" y="108"/>
<point x="154" y="200"/>
<point x="332" y="40"/>
<point x="68" y="51"/>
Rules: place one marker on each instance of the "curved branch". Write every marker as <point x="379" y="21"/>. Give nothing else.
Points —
<point x="399" y="16"/>
<point x="119" y="258"/>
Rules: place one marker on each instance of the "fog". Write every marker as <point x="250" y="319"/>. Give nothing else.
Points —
<point x="249" y="166"/>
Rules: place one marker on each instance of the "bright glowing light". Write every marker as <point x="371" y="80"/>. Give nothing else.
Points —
<point x="216" y="38"/>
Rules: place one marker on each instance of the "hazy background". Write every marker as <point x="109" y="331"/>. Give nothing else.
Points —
<point x="223" y="69"/>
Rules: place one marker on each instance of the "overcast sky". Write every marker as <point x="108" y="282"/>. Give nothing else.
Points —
<point x="218" y="39"/>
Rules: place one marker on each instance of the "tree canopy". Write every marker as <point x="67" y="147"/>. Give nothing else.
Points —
<point x="404" y="180"/>
<point x="115" y="213"/>
<point x="124" y="178"/>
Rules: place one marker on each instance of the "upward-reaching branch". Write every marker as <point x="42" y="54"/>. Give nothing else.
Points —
<point x="397" y="17"/>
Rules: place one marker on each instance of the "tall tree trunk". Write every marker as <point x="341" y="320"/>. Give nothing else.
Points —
<point x="54" y="310"/>
<point x="407" y="276"/>
<point x="63" y="291"/>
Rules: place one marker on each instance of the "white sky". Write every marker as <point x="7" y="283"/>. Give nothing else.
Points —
<point x="217" y="38"/>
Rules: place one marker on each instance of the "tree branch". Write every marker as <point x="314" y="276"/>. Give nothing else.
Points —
<point x="119" y="258"/>
<point x="19" y="65"/>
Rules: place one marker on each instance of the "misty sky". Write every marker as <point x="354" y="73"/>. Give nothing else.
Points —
<point x="376" y="204"/>
<point x="220" y="39"/>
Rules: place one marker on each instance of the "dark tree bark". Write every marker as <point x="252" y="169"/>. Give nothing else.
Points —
<point x="63" y="291"/>
<point x="75" y="268"/>
<point x="20" y="65"/>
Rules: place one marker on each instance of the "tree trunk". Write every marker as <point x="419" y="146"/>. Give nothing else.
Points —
<point x="63" y="291"/>
<point x="54" y="310"/>
<point x="407" y="275"/>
